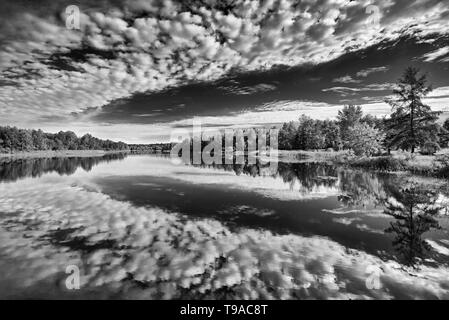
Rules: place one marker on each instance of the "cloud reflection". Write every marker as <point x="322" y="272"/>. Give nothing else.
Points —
<point x="134" y="252"/>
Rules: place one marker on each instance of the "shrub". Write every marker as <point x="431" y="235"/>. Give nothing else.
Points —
<point x="380" y="163"/>
<point x="429" y="148"/>
<point x="442" y="163"/>
<point x="364" y="140"/>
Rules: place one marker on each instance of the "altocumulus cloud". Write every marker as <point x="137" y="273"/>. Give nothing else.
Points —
<point x="48" y="72"/>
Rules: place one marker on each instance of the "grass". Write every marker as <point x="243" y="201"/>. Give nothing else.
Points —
<point x="426" y="165"/>
<point x="434" y="166"/>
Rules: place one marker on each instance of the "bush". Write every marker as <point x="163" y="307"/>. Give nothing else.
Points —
<point x="380" y="163"/>
<point x="442" y="163"/>
<point x="429" y="148"/>
<point x="364" y="140"/>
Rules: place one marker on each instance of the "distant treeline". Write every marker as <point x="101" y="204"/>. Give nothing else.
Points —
<point x="14" y="139"/>
<point x="151" y="148"/>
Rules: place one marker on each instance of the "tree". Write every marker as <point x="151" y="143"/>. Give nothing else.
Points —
<point x="446" y="125"/>
<point x="412" y="123"/>
<point x="349" y="116"/>
<point x="364" y="140"/>
<point x="414" y="212"/>
<point x="331" y="132"/>
<point x="25" y="140"/>
<point x="372" y="121"/>
<point x="14" y="139"/>
<point x="39" y="140"/>
<point x="287" y="136"/>
<point x="68" y="139"/>
<point x="309" y="135"/>
<point x="444" y="134"/>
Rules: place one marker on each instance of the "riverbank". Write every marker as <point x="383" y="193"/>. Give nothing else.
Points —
<point x="426" y="165"/>
<point x="59" y="153"/>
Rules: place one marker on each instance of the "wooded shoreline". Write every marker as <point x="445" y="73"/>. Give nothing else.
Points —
<point x="59" y="153"/>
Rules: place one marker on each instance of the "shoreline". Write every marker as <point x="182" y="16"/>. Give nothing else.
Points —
<point x="397" y="162"/>
<point x="58" y="154"/>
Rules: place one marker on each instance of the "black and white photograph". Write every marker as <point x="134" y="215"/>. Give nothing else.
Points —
<point x="227" y="151"/>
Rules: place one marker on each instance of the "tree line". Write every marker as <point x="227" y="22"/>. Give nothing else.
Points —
<point x="13" y="139"/>
<point x="411" y="125"/>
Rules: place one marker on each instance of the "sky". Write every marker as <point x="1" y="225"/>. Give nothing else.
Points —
<point x="135" y="70"/>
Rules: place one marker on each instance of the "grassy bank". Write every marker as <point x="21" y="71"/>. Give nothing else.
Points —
<point x="309" y="156"/>
<point x="432" y="166"/>
<point x="59" y="153"/>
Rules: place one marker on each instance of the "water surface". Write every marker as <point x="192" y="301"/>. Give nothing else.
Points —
<point x="141" y="227"/>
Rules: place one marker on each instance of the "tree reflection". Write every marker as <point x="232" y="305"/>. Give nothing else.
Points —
<point x="361" y="188"/>
<point x="308" y="175"/>
<point x="14" y="169"/>
<point x="414" y="210"/>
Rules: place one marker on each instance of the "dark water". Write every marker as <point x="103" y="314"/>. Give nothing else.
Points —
<point x="142" y="227"/>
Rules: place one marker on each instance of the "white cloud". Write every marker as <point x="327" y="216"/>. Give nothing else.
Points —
<point x="345" y="91"/>
<point x="366" y="72"/>
<point x="150" y="54"/>
<point x="346" y="79"/>
<point x="437" y="55"/>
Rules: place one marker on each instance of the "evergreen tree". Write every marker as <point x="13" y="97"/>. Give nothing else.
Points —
<point x="414" y="212"/>
<point x="412" y="123"/>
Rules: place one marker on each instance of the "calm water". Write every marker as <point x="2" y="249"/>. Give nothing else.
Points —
<point x="141" y="227"/>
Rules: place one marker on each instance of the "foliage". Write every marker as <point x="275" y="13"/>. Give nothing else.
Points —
<point x="348" y="117"/>
<point x="429" y="148"/>
<point x="442" y="162"/>
<point x="309" y="135"/>
<point x="14" y="139"/>
<point x="384" y="163"/>
<point x="312" y="134"/>
<point x="412" y="123"/>
<point x="364" y="140"/>
<point x="414" y="212"/>
<point x="444" y="134"/>
<point x="287" y="136"/>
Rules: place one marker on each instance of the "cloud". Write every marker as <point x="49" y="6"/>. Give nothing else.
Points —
<point x="128" y="47"/>
<point x="237" y="89"/>
<point x="437" y="55"/>
<point x="345" y="91"/>
<point x="346" y="79"/>
<point x="366" y="72"/>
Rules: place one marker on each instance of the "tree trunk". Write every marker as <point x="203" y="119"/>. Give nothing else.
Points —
<point x="412" y="129"/>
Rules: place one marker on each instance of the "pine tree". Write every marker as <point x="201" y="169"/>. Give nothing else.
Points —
<point x="414" y="211"/>
<point x="412" y="123"/>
